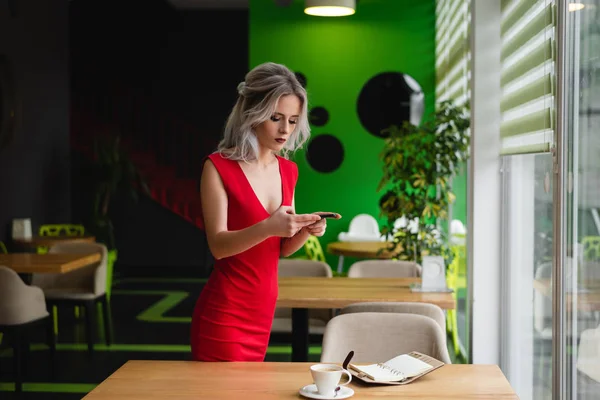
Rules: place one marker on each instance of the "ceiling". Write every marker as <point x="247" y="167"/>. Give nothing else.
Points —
<point x="209" y="4"/>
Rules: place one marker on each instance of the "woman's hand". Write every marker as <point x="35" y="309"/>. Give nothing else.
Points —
<point x="318" y="228"/>
<point x="285" y="223"/>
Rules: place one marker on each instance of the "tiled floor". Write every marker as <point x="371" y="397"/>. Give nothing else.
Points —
<point x="151" y="319"/>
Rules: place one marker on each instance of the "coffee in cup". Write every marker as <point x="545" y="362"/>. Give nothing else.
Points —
<point x="327" y="377"/>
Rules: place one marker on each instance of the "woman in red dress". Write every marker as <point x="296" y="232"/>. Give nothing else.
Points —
<point x="247" y="195"/>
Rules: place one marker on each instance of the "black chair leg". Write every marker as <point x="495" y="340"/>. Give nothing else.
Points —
<point x="16" y="339"/>
<point x="107" y="320"/>
<point x="51" y="341"/>
<point x="90" y="313"/>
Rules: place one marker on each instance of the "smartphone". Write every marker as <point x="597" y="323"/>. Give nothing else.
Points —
<point x="328" y="215"/>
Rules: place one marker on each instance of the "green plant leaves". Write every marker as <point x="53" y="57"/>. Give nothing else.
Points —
<point x="418" y="163"/>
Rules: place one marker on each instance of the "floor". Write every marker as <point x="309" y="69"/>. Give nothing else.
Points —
<point x="151" y="319"/>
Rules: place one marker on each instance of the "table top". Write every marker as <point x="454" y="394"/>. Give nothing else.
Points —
<point x="48" y="241"/>
<point x="322" y="292"/>
<point x="588" y="298"/>
<point x="151" y="380"/>
<point x="28" y="263"/>
<point x="359" y="249"/>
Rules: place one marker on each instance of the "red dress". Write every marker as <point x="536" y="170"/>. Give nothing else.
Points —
<point x="234" y="313"/>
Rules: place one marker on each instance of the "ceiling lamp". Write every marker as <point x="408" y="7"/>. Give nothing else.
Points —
<point x="330" y="8"/>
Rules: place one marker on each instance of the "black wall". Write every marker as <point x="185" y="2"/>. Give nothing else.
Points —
<point x="188" y="63"/>
<point x="34" y="167"/>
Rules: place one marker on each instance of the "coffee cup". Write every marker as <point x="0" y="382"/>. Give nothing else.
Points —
<point x="327" y="377"/>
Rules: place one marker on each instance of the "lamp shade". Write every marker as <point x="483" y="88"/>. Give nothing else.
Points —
<point x="330" y="8"/>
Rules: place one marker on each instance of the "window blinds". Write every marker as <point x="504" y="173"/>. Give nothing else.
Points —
<point x="527" y="77"/>
<point x="452" y="50"/>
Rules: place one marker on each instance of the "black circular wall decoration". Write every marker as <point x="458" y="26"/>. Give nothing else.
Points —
<point x="301" y="78"/>
<point x="325" y="153"/>
<point x="390" y="98"/>
<point x="318" y="116"/>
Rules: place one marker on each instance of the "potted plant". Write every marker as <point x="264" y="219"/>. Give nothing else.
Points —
<point x="418" y="165"/>
<point x="111" y="173"/>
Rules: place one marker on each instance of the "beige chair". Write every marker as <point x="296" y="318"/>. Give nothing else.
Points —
<point x="282" y="323"/>
<point x="22" y="310"/>
<point x="427" y="309"/>
<point x="378" y="337"/>
<point x="83" y="287"/>
<point x="384" y="269"/>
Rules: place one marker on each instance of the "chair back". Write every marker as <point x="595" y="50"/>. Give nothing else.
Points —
<point x="19" y="303"/>
<point x="62" y="229"/>
<point x="300" y="267"/>
<point x="591" y="248"/>
<point x="90" y="279"/>
<point x="426" y="309"/>
<point x="378" y="337"/>
<point x="289" y="267"/>
<point x="384" y="269"/>
<point x="364" y="224"/>
<point x="542" y="305"/>
<point x="363" y="227"/>
<point x="313" y="249"/>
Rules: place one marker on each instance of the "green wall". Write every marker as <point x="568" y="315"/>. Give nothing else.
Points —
<point x="338" y="56"/>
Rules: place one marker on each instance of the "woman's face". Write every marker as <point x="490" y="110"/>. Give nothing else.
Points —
<point x="274" y="132"/>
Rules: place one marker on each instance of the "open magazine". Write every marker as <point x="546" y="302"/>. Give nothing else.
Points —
<point x="400" y="370"/>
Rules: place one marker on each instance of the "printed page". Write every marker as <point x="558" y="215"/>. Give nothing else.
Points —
<point x="378" y="373"/>
<point x="407" y="365"/>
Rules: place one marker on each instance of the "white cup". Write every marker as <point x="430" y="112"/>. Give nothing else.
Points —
<point x="327" y="377"/>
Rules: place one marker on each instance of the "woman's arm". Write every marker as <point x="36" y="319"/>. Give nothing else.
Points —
<point x="291" y="245"/>
<point x="225" y="243"/>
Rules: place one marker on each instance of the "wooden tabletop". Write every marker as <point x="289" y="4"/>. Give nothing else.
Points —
<point x="321" y="292"/>
<point x="150" y="380"/>
<point x="28" y="263"/>
<point x="359" y="249"/>
<point x="588" y="298"/>
<point x="48" y="241"/>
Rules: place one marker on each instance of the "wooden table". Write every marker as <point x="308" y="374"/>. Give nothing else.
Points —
<point x="153" y="380"/>
<point x="588" y="299"/>
<point x="29" y="263"/>
<point x="49" y="241"/>
<point x="359" y="250"/>
<point x="302" y="293"/>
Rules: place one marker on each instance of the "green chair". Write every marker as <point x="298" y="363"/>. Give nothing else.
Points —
<point x="456" y="279"/>
<point x="313" y="249"/>
<point x="591" y="248"/>
<point x="57" y="230"/>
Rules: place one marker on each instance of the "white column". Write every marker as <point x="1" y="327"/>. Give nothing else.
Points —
<point x="484" y="184"/>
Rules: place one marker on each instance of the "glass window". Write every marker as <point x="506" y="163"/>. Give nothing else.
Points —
<point x="582" y="267"/>
<point x="527" y="272"/>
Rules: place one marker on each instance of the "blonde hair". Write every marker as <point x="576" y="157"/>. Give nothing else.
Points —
<point x="257" y="101"/>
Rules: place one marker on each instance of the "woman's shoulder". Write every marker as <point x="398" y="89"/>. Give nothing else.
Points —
<point x="287" y="162"/>
<point x="288" y="166"/>
<point x="219" y="158"/>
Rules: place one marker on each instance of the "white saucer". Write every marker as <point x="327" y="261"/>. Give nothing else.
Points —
<point x="311" y="392"/>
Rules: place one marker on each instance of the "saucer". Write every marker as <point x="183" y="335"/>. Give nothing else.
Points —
<point x="311" y="392"/>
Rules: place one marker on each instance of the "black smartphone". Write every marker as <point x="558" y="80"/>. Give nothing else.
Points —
<point x="328" y="215"/>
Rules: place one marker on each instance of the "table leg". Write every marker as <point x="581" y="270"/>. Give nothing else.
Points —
<point x="26" y="277"/>
<point x="340" y="268"/>
<point x="300" y="334"/>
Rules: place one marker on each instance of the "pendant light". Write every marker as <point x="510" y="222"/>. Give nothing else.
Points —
<point x="330" y="8"/>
